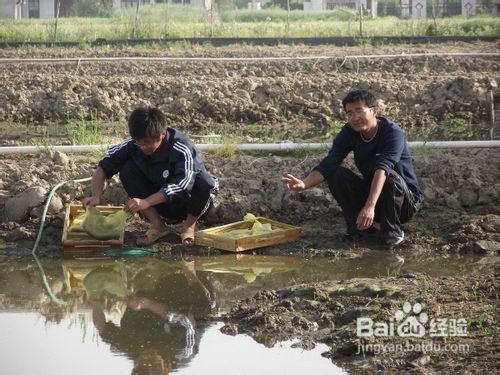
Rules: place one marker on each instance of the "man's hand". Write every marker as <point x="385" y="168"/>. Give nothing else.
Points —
<point x="365" y="217"/>
<point x="293" y="183"/>
<point x="91" y="201"/>
<point x="136" y="204"/>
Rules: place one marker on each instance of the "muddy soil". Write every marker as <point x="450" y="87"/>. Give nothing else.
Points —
<point x="290" y="99"/>
<point x="327" y="312"/>
<point x="461" y="209"/>
<point x="287" y="99"/>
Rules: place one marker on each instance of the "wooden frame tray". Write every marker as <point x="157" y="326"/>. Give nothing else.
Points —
<point x="87" y="242"/>
<point x="212" y="237"/>
<point x="75" y="271"/>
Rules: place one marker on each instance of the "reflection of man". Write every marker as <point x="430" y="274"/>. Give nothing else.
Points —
<point x="158" y="329"/>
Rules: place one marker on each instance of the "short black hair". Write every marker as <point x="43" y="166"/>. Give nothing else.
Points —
<point x="146" y="123"/>
<point x="358" y="96"/>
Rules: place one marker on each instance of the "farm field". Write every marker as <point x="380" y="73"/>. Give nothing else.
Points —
<point x="311" y="290"/>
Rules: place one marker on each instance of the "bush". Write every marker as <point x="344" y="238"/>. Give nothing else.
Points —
<point x="280" y="15"/>
<point x="93" y="8"/>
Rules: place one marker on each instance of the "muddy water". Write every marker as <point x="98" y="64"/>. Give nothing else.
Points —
<point x="161" y="314"/>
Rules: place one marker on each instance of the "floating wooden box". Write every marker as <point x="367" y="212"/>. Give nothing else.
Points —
<point x="81" y="242"/>
<point x="213" y="237"/>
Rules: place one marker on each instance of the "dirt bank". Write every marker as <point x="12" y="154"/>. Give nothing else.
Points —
<point x="291" y="99"/>
<point x="460" y="214"/>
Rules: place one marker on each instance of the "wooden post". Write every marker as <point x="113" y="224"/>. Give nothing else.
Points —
<point x="287" y="18"/>
<point x="166" y="19"/>
<point x="57" y="19"/>
<point x="434" y="16"/>
<point x="211" y="18"/>
<point x="134" y="29"/>
<point x="360" y="19"/>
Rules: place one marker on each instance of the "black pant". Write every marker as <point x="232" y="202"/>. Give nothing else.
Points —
<point x="196" y="203"/>
<point x="395" y="205"/>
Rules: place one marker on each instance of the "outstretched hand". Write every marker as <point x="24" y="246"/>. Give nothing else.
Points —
<point x="293" y="183"/>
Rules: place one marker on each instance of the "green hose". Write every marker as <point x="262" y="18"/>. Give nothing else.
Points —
<point x="109" y="252"/>
<point x="39" y="236"/>
<point x="128" y="252"/>
<point x="46" y="208"/>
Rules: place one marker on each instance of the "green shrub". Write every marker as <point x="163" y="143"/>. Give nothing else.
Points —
<point x="93" y="8"/>
<point x="280" y="15"/>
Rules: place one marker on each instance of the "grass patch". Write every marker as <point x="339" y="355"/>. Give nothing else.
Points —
<point x="454" y="128"/>
<point x="178" y="21"/>
<point x="84" y="132"/>
<point x="279" y="14"/>
<point x="335" y="127"/>
<point x="228" y="149"/>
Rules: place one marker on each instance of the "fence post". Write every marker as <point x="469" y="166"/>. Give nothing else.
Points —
<point x="166" y="19"/>
<point x="361" y="20"/>
<point x="134" y="29"/>
<point x="57" y="19"/>
<point x="287" y="18"/>
<point x="434" y="16"/>
<point x="212" y="19"/>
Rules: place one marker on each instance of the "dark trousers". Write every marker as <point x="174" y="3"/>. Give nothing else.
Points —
<point x="394" y="207"/>
<point x="196" y="203"/>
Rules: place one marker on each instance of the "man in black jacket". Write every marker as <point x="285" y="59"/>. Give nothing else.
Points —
<point x="162" y="172"/>
<point x="387" y="192"/>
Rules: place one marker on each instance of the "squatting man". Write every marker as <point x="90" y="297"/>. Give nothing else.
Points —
<point x="387" y="191"/>
<point x="162" y="172"/>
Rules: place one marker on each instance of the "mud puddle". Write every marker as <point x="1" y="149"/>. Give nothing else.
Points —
<point x="164" y="313"/>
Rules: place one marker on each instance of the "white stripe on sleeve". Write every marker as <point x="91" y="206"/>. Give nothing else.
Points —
<point x="188" y="170"/>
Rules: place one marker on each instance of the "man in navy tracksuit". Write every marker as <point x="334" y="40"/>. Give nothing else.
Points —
<point x="162" y="172"/>
<point x="388" y="190"/>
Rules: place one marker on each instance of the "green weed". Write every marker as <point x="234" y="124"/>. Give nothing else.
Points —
<point x="228" y="149"/>
<point x="84" y="132"/>
<point x="335" y="127"/>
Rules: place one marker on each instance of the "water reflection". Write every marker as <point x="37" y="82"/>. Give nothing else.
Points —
<point x="155" y="311"/>
<point x="151" y="311"/>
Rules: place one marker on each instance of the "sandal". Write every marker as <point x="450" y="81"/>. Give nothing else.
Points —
<point x="152" y="235"/>
<point x="187" y="235"/>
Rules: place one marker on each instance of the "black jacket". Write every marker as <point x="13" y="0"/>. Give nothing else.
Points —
<point x="388" y="151"/>
<point x="174" y="168"/>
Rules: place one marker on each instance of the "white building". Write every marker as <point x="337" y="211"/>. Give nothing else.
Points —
<point x="318" y="5"/>
<point x="47" y="9"/>
<point x="27" y="9"/>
